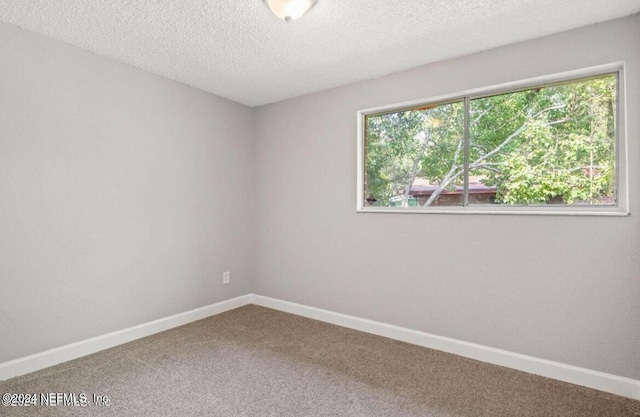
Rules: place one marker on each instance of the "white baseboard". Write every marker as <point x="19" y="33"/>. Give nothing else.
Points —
<point x="65" y="353"/>
<point x="614" y="384"/>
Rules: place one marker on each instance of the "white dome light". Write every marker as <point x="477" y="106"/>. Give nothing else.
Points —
<point x="289" y="9"/>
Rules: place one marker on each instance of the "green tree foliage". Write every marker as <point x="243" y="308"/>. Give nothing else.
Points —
<point x="547" y="145"/>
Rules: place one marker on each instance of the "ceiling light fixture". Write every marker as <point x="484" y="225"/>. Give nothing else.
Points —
<point x="289" y="9"/>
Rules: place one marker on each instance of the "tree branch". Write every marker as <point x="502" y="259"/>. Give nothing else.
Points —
<point x="452" y="174"/>
<point x="448" y="178"/>
<point x="487" y="167"/>
<point x="514" y="134"/>
<point x="556" y="122"/>
<point x="477" y="119"/>
<point x="414" y="169"/>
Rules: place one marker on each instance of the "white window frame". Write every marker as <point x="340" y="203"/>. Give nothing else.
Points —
<point x="622" y="191"/>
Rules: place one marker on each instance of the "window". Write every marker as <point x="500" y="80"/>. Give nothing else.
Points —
<point x="546" y="146"/>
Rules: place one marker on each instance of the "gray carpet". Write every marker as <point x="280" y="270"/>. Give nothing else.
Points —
<point x="254" y="361"/>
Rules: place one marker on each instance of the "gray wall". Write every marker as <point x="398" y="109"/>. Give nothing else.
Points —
<point x="123" y="195"/>
<point x="560" y="288"/>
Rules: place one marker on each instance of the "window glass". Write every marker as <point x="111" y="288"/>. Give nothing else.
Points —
<point x="415" y="157"/>
<point x="551" y="145"/>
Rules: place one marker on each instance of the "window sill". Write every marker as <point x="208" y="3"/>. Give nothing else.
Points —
<point x="535" y="211"/>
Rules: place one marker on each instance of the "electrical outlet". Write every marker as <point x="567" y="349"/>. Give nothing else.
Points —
<point x="226" y="278"/>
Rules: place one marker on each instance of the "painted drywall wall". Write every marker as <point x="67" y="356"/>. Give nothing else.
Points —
<point x="123" y="195"/>
<point x="559" y="288"/>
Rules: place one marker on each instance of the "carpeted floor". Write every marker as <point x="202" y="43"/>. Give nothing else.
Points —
<point x="254" y="361"/>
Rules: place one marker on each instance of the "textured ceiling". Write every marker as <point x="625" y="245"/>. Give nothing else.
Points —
<point x="238" y="49"/>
